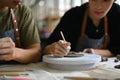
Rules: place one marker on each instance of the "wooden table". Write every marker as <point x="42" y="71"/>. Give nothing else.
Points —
<point x="40" y="71"/>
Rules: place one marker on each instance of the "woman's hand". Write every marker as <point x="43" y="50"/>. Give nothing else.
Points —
<point x="101" y="52"/>
<point x="89" y="50"/>
<point x="6" y="49"/>
<point x="59" y="49"/>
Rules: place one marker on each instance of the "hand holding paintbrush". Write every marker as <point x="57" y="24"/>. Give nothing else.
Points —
<point x="59" y="48"/>
<point x="65" y="43"/>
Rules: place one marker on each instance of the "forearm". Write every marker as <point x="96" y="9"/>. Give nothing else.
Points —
<point x="32" y="54"/>
<point x="103" y="53"/>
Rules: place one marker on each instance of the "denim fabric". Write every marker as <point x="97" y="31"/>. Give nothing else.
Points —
<point x="9" y="33"/>
<point x="87" y="42"/>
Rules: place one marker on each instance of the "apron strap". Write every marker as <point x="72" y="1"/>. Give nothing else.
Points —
<point x="84" y="23"/>
<point x="16" y="30"/>
<point x="106" y="38"/>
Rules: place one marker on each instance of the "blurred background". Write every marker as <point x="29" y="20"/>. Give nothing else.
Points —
<point x="47" y="13"/>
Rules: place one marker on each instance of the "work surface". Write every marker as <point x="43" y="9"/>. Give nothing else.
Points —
<point x="40" y="71"/>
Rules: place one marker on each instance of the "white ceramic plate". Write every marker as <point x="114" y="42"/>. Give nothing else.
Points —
<point x="87" y="61"/>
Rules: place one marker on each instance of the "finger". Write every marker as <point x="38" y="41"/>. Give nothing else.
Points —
<point x="59" y="51"/>
<point x="59" y="54"/>
<point x="65" y="48"/>
<point x="87" y="50"/>
<point x="11" y="42"/>
<point x="68" y="47"/>
<point x="5" y="57"/>
<point x="64" y="42"/>
<point x="4" y="39"/>
<point x="7" y="50"/>
<point x="5" y="45"/>
<point x="63" y="45"/>
<point x="8" y="41"/>
<point x="92" y="51"/>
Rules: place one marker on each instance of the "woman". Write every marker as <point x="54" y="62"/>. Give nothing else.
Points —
<point x="92" y="27"/>
<point x="19" y="38"/>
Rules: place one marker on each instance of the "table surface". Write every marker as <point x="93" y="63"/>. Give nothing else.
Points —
<point x="40" y="71"/>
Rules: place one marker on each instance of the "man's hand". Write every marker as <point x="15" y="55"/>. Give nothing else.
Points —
<point x="6" y="49"/>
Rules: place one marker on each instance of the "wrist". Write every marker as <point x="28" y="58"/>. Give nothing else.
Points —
<point x="47" y="50"/>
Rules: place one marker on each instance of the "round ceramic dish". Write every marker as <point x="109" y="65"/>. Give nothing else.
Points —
<point x="88" y="61"/>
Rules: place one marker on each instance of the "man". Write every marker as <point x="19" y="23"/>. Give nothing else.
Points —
<point x="22" y="48"/>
